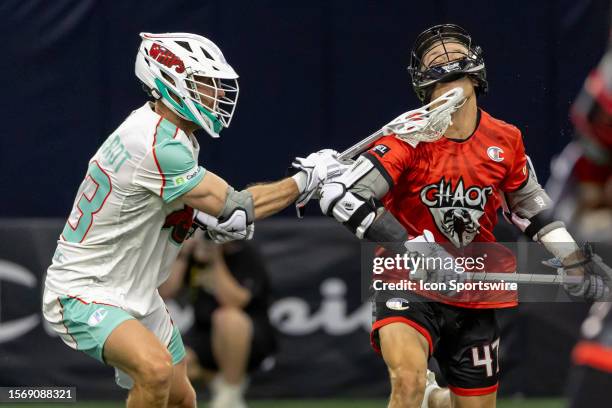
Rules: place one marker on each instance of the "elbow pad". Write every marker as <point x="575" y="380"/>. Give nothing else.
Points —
<point x="529" y="208"/>
<point x="352" y="199"/>
<point x="234" y="222"/>
<point x="535" y="226"/>
<point x="238" y="200"/>
<point x="347" y="208"/>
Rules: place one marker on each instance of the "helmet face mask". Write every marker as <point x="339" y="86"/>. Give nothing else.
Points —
<point x="189" y="74"/>
<point x="444" y="53"/>
<point x="214" y="95"/>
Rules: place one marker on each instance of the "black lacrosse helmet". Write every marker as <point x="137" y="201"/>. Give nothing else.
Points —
<point x="440" y="69"/>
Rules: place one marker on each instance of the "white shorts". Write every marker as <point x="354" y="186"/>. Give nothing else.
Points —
<point x="85" y="326"/>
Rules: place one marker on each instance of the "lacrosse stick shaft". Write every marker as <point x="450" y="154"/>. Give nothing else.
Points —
<point x="360" y="147"/>
<point x="417" y="121"/>
<point x="540" y="279"/>
<point x="536" y="279"/>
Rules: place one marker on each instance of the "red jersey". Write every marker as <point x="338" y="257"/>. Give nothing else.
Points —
<point x="452" y="187"/>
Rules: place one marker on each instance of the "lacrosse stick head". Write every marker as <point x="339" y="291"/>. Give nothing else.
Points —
<point x="428" y="123"/>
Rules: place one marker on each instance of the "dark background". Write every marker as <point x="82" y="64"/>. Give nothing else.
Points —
<point x="312" y="75"/>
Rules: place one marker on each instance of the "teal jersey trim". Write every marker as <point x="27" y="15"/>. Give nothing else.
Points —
<point x="183" y="184"/>
<point x="165" y="131"/>
<point x="179" y="170"/>
<point x="176" y="346"/>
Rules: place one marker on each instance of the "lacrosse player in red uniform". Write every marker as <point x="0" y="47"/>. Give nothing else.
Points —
<point x="592" y="114"/>
<point x="453" y="188"/>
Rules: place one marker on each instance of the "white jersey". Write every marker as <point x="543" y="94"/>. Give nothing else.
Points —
<point x="126" y="226"/>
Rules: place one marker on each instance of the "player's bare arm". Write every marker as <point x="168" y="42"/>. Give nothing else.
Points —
<point x="228" y="214"/>
<point x="270" y="198"/>
<point x="211" y="196"/>
<point x="199" y="101"/>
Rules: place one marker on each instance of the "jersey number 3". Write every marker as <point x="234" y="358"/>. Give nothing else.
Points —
<point x="95" y="189"/>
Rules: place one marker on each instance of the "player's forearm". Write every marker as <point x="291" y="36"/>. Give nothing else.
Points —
<point x="209" y="195"/>
<point x="271" y="198"/>
<point x="562" y="245"/>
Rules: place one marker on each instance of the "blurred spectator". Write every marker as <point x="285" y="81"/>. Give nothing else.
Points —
<point x="232" y="335"/>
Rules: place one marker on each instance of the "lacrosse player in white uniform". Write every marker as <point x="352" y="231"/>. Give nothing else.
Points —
<point x="135" y="207"/>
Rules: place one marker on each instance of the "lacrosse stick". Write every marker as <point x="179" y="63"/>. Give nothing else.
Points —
<point x="425" y="124"/>
<point x="561" y="278"/>
<point x="540" y="279"/>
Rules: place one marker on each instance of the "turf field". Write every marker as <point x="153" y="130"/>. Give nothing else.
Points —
<point x="340" y="403"/>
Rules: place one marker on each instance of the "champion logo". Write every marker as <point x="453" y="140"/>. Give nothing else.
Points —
<point x="495" y="153"/>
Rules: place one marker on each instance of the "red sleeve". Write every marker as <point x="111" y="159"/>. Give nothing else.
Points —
<point x="391" y="157"/>
<point x="518" y="173"/>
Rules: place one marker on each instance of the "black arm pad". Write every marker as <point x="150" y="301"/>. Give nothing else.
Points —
<point x="387" y="230"/>
<point x="539" y="221"/>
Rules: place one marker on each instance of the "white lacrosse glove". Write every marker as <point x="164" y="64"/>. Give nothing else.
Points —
<point x="314" y="170"/>
<point x="233" y="228"/>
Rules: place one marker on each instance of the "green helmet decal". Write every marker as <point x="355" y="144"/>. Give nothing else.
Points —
<point x="184" y="110"/>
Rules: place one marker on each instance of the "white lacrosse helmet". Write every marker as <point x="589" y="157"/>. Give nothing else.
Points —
<point x="177" y="67"/>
